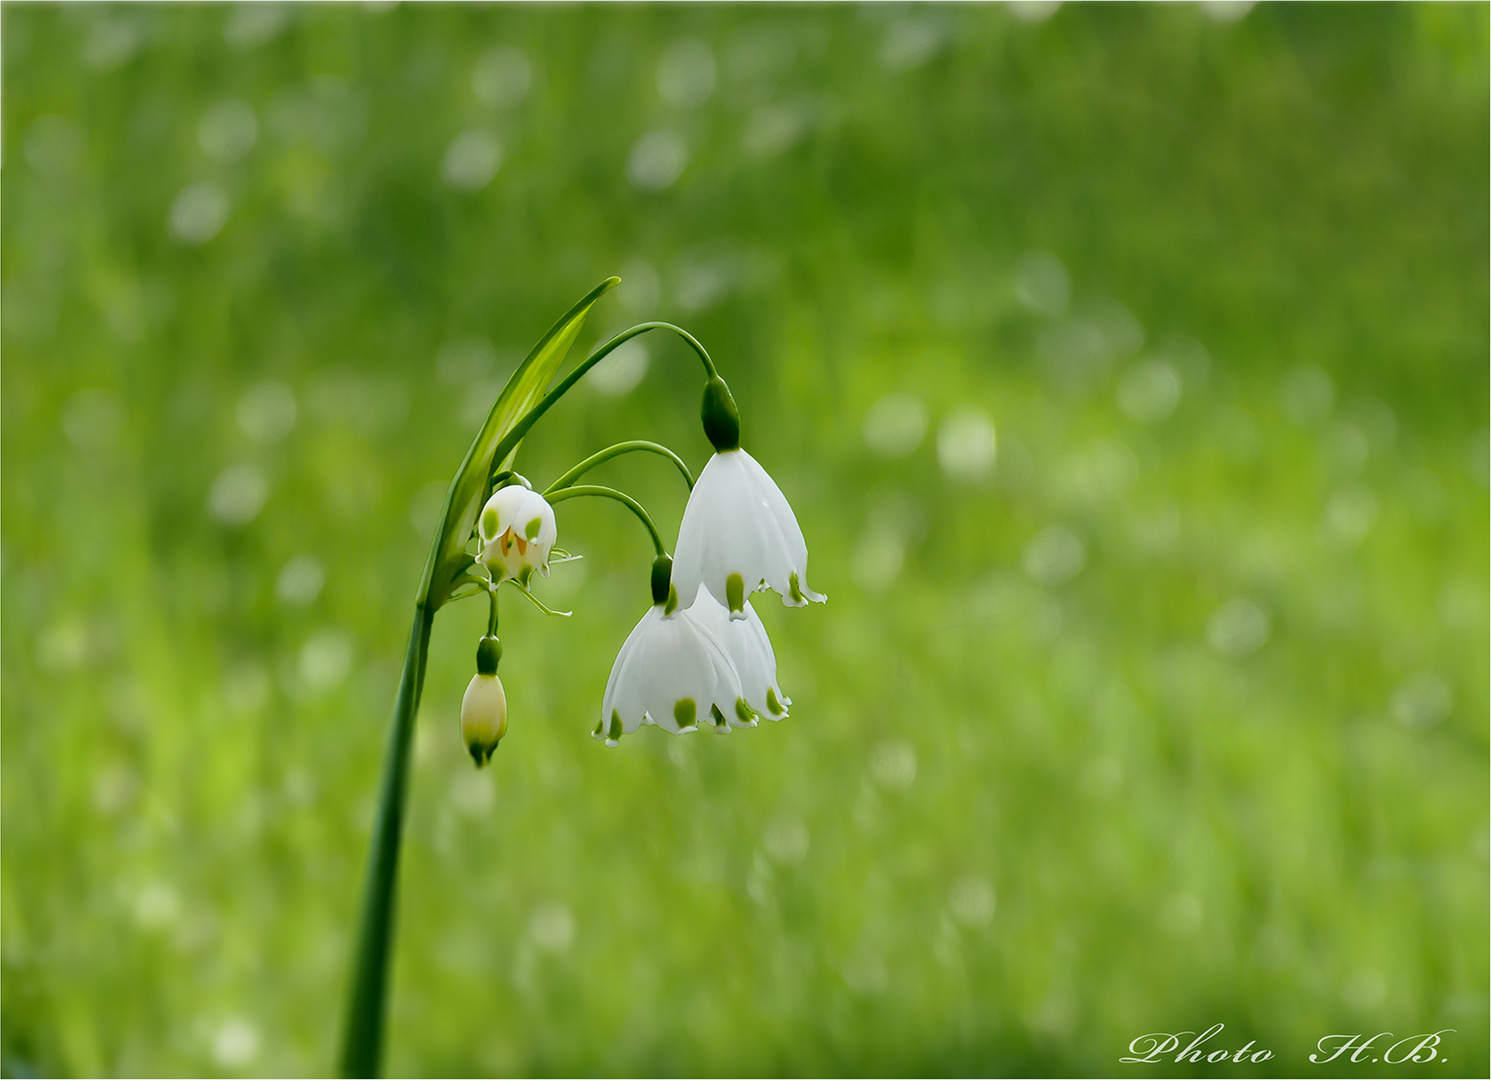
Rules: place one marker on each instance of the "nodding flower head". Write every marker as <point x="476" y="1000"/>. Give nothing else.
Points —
<point x="672" y="671"/>
<point x="517" y="532"/>
<point x="739" y="535"/>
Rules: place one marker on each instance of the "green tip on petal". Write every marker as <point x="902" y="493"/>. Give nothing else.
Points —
<point x="615" y="733"/>
<point x="672" y="604"/>
<point x="600" y="728"/>
<point x="795" y="590"/>
<point x="735" y="591"/>
<point x="684" y="712"/>
<point x="489" y="523"/>
<point x="719" y="717"/>
<point x="743" y="712"/>
<point x="772" y="703"/>
<point x="531" y="531"/>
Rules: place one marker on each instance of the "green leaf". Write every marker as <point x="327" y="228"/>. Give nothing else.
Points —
<point x="469" y="488"/>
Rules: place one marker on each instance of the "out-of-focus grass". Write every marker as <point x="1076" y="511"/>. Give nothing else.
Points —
<point x="1175" y="713"/>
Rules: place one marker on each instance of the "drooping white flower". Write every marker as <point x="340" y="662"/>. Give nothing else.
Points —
<point x="483" y="716"/>
<point x="517" y="532"/>
<point x="749" y="649"/>
<point x="739" y="535"/>
<point x="672" y="672"/>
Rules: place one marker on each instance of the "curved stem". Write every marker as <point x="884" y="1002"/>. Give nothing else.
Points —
<point x="492" y="611"/>
<point x="564" y="386"/>
<point x="616" y="451"/>
<point x="626" y="500"/>
<point x="362" y="1045"/>
<point x="641" y="328"/>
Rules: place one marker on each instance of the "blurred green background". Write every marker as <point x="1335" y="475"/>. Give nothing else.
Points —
<point x="1127" y="370"/>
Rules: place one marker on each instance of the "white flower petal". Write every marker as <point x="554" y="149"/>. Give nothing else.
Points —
<point x="738" y="522"/>
<point x="749" y="649"/>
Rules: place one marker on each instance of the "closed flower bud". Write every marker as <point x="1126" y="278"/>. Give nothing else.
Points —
<point x="483" y="716"/>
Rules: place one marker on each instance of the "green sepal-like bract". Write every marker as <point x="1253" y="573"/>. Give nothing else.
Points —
<point x="720" y="416"/>
<point x="662" y="578"/>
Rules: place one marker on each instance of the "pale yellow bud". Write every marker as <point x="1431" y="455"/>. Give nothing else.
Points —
<point x="483" y="716"/>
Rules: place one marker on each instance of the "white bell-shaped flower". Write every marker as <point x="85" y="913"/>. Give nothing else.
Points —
<point x="749" y="649"/>
<point x="517" y="532"/>
<point x="674" y="673"/>
<point x="739" y="535"/>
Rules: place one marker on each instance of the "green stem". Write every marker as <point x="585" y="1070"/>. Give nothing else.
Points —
<point x="531" y="417"/>
<point x="362" y="1046"/>
<point x="492" y="612"/>
<point x="630" y="503"/>
<point x="616" y="451"/>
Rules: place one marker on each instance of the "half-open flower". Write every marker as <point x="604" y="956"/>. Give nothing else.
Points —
<point x="749" y="649"/>
<point x="672" y="672"/>
<point x="517" y="532"/>
<point x="739" y="535"/>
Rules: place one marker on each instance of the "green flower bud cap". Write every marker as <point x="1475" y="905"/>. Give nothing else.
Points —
<point x="662" y="578"/>
<point x="721" y="418"/>
<point x="488" y="653"/>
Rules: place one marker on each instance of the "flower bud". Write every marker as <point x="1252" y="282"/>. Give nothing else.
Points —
<point x="483" y="716"/>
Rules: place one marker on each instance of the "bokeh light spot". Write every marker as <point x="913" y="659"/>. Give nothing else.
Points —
<point x="965" y="445"/>
<point x="1422" y="700"/>
<point x="300" y="581"/>
<point x="895" y="425"/>
<point x="686" y="73"/>
<point x="1054" y="556"/>
<point x="1238" y="628"/>
<point x="228" y="131"/>
<point x="198" y="213"/>
<point x="1307" y="395"/>
<point x="1149" y="392"/>
<point x="893" y="765"/>
<point x="1041" y="283"/>
<point x="501" y="77"/>
<point x="238" y="494"/>
<point x="471" y="160"/>
<point x="621" y="371"/>
<point x="267" y="412"/>
<point x="657" y="160"/>
<point x="971" y="901"/>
